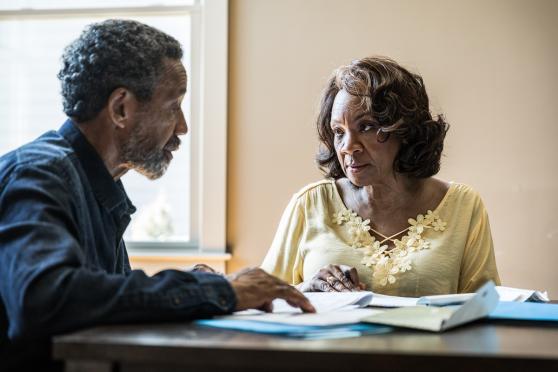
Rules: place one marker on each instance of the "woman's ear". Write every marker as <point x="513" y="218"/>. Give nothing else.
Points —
<point x="122" y="104"/>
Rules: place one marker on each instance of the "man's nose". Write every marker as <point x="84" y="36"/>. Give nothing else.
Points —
<point x="181" y="126"/>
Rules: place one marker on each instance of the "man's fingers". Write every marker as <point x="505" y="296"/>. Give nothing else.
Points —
<point x="292" y="296"/>
<point x="267" y="307"/>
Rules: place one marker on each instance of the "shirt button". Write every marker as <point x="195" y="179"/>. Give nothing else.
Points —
<point x="177" y="301"/>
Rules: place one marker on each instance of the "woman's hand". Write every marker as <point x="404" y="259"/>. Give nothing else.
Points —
<point x="333" y="278"/>
<point x="203" y="268"/>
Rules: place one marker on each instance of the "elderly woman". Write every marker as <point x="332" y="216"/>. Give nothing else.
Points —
<point x="380" y="220"/>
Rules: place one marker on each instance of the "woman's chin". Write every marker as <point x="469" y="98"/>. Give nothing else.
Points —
<point x="358" y="181"/>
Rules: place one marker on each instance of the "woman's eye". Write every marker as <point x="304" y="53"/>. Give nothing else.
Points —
<point x="338" y="132"/>
<point x="368" y="127"/>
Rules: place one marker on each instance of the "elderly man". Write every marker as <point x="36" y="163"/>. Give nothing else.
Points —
<point x="63" y="209"/>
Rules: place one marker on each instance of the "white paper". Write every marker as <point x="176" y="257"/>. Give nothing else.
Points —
<point x="350" y="315"/>
<point x="505" y="294"/>
<point x="381" y="300"/>
<point x="521" y="295"/>
<point x="444" y="300"/>
<point x="440" y="318"/>
<point x="326" y="301"/>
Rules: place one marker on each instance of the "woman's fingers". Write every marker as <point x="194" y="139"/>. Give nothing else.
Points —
<point x="345" y="282"/>
<point x="319" y="285"/>
<point x="352" y="274"/>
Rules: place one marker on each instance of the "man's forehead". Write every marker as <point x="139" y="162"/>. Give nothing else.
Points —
<point x="174" y="76"/>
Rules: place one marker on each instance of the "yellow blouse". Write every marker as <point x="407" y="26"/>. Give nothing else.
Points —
<point x="448" y="250"/>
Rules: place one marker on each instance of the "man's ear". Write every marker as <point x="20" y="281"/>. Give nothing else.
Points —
<point x="122" y="105"/>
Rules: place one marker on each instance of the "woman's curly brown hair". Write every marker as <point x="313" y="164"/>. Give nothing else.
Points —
<point x="397" y="100"/>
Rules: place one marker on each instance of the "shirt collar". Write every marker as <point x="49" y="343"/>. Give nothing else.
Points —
<point x="109" y="193"/>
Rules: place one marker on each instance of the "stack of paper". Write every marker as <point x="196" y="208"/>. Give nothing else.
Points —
<point x="505" y="294"/>
<point x="341" y="309"/>
<point x="432" y="318"/>
<point x="525" y="311"/>
<point x="297" y="331"/>
<point x="521" y="295"/>
<point x="349" y="314"/>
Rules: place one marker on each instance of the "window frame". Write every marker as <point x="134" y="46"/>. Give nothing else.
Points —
<point x="207" y="86"/>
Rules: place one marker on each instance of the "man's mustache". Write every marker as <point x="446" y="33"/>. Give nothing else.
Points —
<point x="173" y="144"/>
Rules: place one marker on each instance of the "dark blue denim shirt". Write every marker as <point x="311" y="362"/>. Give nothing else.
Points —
<point x="63" y="263"/>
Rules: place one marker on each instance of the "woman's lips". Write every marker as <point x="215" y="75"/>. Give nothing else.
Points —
<point x="356" y="168"/>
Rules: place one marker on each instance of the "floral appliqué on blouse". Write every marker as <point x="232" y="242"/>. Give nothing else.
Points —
<point x="388" y="263"/>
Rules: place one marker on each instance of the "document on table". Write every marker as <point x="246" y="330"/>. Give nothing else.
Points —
<point x="331" y="301"/>
<point x="347" y="315"/>
<point x="342" y="308"/>
<point x="505" y="294"/>
<point x="325" y="302"/>
<point x="526" y="311"/>
<point x="437" y="319"/>
<point x="521" y="295"/>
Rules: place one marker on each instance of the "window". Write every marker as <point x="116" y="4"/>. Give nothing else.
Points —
<point x="183" y="210"/>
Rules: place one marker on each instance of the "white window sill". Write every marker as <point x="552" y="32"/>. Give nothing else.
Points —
<point x="154" y="261"/>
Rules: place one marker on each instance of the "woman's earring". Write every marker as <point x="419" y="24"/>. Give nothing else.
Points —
<point x="382" y="136"/>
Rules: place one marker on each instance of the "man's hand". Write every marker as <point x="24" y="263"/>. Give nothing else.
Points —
<point x="256" y="289"/>
<point x="333" y="278"/>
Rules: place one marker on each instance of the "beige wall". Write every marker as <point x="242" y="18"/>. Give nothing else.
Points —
<point x="490" y="66"/>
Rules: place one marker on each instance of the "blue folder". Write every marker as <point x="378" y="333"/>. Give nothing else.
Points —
<point x="296" y="331"/>
<point x="525" y="311"/>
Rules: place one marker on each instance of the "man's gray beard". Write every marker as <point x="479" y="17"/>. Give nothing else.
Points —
<point x="138" y="154"/>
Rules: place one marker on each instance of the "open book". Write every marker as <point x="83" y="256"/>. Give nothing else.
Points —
<point x="505" y="294"/>
<point x="433" y="318"/>
<point x="324" y="301"/>
<point x="350" y="307"/>
<point x="338" y="313"/>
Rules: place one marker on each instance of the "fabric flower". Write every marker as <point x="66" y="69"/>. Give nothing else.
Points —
<point x="405" y="265"/>
<point x="387" y="264"/>
<point x="431" y="216"/>
<point x="439" y="225"/>
<point x="339" y="218"/>
<point x="418" y="225"/>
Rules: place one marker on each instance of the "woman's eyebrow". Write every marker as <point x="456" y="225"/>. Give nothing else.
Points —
<point x="364" y="115"/>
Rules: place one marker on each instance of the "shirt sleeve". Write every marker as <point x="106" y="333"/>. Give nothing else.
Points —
<point x="48" y="287"/>
<point x="479" y="263"/>
<point x="283" y="258"/>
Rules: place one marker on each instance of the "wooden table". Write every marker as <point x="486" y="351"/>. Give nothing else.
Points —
<point x="481" y="346"/>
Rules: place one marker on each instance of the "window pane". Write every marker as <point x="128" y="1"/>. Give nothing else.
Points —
<point x="30" y="104"/>
<point x="78" y="4"/>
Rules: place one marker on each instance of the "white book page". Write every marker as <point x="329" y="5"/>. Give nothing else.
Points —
<point x="326" y="301"/>
<point x="521" y="295"/>
<point x="347" y="315"/>
<point x="440" y="318"/>
<point x="381" y="300"/>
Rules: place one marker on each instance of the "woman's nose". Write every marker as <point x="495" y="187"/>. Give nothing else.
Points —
<point x="351" y="144"/>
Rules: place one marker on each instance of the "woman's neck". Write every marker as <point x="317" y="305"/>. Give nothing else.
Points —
<point x="394" y="194"/>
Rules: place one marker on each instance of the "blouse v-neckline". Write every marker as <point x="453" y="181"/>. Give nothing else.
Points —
<point x="387" y="263"/>
<point x="436" y="211"/>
